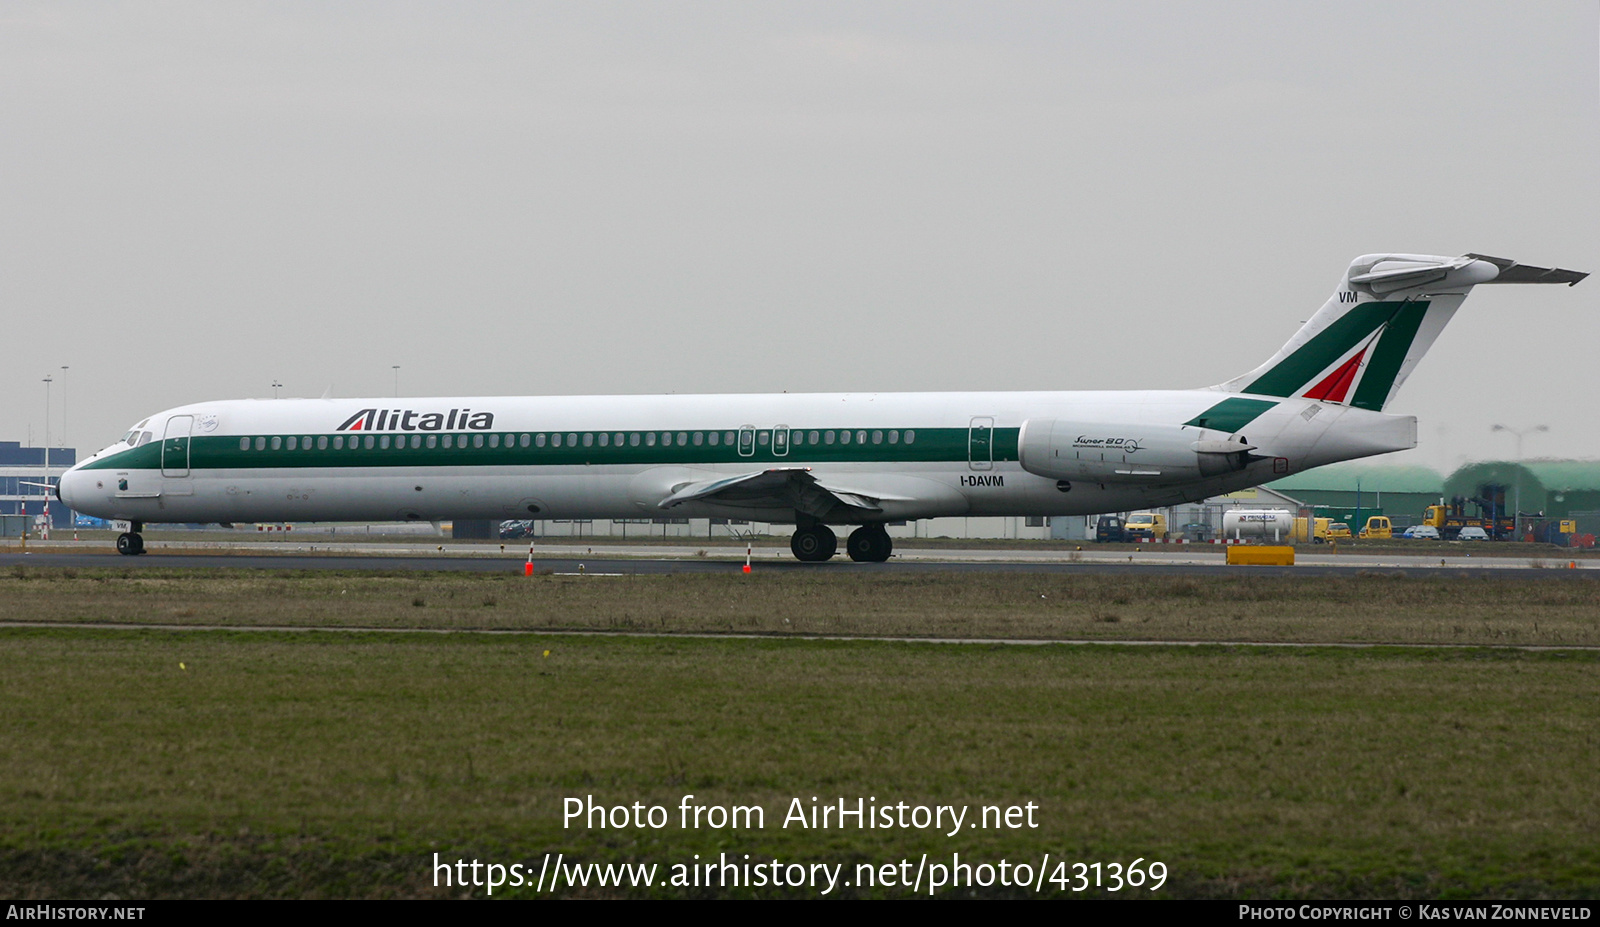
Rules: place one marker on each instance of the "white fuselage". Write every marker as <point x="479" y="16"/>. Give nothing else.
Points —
<point x="911" y="455"/>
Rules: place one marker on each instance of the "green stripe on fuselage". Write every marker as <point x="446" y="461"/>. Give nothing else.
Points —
<point x="1231" y="414"/>
<point x="936" y="445"/>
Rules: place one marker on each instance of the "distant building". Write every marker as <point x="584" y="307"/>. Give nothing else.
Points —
<point x="1547" y="489"/>
<point x="1352" y="492"/>
<point x="20" y="466"/>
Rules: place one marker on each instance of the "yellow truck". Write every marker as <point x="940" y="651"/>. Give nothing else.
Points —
<point x="1378" y="529"/>
<point x="1146" y="526"/>
<point x="1317" y="535"/>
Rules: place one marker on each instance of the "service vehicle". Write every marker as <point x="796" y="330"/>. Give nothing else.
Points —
<point x="1492" y="517"/>
<point x="1318" y="532"/>
<point x="1378" y="528"/>
<point x="1471" y="533"/>
<point x="1338" y="531"/>
<point x="1146" y="526"/>
<point x="1109" y="529"/>
<point x="1262" y="524"/>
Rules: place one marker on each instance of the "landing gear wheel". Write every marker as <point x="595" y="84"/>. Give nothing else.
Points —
<point x="869" y="544"/>
<point x="130" y="544"/>
<point x="814" y="544"/>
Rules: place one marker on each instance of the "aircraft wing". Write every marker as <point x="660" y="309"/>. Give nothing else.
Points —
<point x="787" y="487"/>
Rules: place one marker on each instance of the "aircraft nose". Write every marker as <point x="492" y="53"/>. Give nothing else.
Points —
<point x="69" y="487"/>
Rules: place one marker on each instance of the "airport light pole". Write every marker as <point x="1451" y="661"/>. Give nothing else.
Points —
<point x="45" y="489"/>
<point x="275" y="387"/>
<point x="1516" y="518"/>
<point x="64" y="406"/>
<point x="397" y="381"/>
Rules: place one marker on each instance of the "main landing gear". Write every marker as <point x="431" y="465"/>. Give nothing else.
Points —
<point x="131" y="543"/>
<point x="818" y="543"/>
<point x="869" y="544"/>
<point x="814" y="544"/>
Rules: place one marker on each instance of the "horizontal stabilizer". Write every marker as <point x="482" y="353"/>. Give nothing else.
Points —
<point x="1512" y="272"/>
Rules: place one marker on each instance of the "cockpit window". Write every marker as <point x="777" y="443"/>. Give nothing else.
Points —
<point x="144" y="438"/>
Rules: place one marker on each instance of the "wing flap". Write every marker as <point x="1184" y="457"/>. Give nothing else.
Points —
<point x="780" y="487"/>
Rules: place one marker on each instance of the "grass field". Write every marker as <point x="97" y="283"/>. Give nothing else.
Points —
<point x="1367" y="608"/>
<point x="274" y="764"/>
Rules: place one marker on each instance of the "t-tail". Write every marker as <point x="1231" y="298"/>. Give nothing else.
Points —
<point x="1365" y="341"/>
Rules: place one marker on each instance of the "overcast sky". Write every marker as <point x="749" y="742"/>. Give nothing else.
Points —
<point x="199" y="198"/>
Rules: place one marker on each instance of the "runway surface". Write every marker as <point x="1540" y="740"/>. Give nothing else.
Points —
<point x="643" y="560"/>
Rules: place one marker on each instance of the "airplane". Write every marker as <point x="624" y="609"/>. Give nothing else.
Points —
<point x="814" y="460"/>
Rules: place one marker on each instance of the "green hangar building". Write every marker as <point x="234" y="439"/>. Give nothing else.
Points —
<point x="1542" y="490"/>
<point x="1351" y="492"/>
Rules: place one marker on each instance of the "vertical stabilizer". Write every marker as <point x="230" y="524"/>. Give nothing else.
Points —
<point x="1388" y="309"/>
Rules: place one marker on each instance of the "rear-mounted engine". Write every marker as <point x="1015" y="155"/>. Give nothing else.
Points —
<point x="1102" y="453"/>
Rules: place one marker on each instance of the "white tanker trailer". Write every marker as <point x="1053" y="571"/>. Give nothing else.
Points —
<point x="1264" y="524"/>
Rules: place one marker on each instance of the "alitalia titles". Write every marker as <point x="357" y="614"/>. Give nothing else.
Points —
<point x="412" y="420"/>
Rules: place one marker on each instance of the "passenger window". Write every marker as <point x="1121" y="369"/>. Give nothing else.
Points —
<point x="477" y="440"/>
<point x="877" y="437"/>
<point x="605" y="438"/>
<point x="844" y="437"/>
<point x="894" y="437"/>
<point x="572" y="440"/>
<point x="292" y="444"/>
<point x="383" y="443"/>
<point x="861" y="437"/>
<point x="539" y="440"/>
<point x="761" y="438"/>
<point x="650" y="439"/>
<point x="910" y="436"/>
<point x="827" y="437"/>
<point x="523" y="441"/>
<point x="812" y="438"/>
<point x="322" y="442"/>
<point x="447" y="440"/>
<point x="433" y="440"/>
<point x="633" y="439"/>
<point x="244" y="444"/>
<point x="555" y="440"/>
<point x="727" y="438"/>
<point x="416" y="441"/>
<point x="305" y="443"/>
<point x="494" y="440"/>
<point x="699" y="438"/>
<point x="261" y="444"/>
<point x="683" y="439"/>
<point x="588" y="439"/>
<point x="617" y="439"/>
<point x="338" y="442"/>
<point x="366" y="442"/>
<point x="714" y="437"/>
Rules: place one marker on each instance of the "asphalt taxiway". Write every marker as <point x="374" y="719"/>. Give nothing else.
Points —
<point x="619" y="560"/>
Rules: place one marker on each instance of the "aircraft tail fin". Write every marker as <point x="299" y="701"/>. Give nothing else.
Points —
<point x="1364" y="342"/>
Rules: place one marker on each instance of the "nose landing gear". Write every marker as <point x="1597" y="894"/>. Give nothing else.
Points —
<point x="131" y="543"/>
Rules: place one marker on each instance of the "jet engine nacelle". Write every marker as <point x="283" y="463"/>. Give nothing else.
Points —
<point x="1100" y="452"/>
